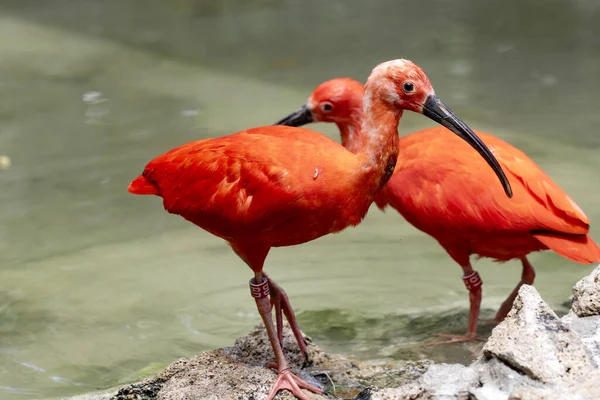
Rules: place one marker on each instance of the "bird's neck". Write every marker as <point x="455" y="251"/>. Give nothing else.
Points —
<point x="379" y="135"/>
<point x="350" y="133"/>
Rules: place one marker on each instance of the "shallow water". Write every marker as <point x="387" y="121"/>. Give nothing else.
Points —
<point x="98" y="287"/>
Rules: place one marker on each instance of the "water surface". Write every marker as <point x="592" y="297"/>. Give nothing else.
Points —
<point x="98" y="287"/>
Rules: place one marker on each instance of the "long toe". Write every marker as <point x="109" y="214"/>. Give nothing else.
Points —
<point x="286" y="380"/>
<point x="455" y="339"/>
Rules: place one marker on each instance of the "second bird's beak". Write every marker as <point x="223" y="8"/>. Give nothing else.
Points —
<point x="436" y="110"/>
<point x="301" y="117"/>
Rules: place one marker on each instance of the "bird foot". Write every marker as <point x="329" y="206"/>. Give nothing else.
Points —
<point x="455" y="339"/>
<point x="286" y="380"/>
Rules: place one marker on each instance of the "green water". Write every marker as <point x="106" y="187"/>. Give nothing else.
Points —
<point x="98" y="287"/>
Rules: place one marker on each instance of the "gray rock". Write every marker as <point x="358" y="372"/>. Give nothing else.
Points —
<point x="441" y="381"/>
<point x="496" y="376"/>
<point x="588" y="329"/>
<point x="534" y="341"/>
<point x="586" y="295"/>
<point x="488" y="393"/>
<point x="585" y="388"/>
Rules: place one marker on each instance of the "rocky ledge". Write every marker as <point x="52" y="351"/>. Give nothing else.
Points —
<point x="533" y="354"/>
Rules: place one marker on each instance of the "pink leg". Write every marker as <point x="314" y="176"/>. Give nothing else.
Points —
<point x="280" y="300"/>
<point x="527" y="278"/>
<point x="286" y="380"/>
<point x="473" y="283"/>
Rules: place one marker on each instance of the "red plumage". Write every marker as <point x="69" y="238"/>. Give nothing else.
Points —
<point x="440" y="188"/>
<point x="280" y="186"/>
<point x="445" y="189"/>
<point x="260" y="188"/>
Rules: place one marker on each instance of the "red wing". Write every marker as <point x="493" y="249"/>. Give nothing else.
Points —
<point x="247" y="178"/>
<point x="446" y="181"/>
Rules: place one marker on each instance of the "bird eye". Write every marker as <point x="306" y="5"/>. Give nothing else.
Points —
<point x="408" y="87"/>
<point x="326" y="107"/>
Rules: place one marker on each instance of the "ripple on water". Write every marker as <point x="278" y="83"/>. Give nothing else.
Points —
<point x="102" y="288"/>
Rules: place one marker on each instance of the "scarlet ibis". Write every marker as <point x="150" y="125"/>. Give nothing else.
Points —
<point x="282" y="186"/>
<point x="443" y="189"/>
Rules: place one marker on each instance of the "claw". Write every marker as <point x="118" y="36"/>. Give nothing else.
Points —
<point x="286" y="380"/>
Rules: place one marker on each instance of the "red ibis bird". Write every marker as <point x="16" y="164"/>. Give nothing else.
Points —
<point x="282" y="186"/>
<point x="441" y="187"/>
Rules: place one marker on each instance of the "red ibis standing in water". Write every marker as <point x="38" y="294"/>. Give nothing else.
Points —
<point x="282" y="186"/>
<point x="441" y="187"/>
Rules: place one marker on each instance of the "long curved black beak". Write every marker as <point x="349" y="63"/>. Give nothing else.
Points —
<point x="435" y="109"/>
<point x="298" y="118"/>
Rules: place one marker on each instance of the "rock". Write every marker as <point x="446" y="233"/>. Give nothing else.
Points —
<point x="239" y="372"/>
<point x="588" y="329"/>
<point x="534" y="341"/>
<point x="497" y="377"/>
<point x="585" y="388"/>
<point x="586" y="295"/>
<point x="218" y="375"/>
<point x="236" y="372"/>
<point x="442" y="381"/>
<point x="487" y="393"/>
<point x="532" y="354"/>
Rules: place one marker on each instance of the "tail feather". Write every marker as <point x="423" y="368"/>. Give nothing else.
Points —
<point x="579" y="248"/>
<point x="141" y="185"/>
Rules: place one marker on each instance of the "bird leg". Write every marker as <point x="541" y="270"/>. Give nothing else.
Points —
<point x="281" y="302"/>
<point x="286" y="380"/>
<point x="473" y="283"/>
<point x="527" y="278"/>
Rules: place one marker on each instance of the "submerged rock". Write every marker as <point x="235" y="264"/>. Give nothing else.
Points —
<point x="531" y="355"/>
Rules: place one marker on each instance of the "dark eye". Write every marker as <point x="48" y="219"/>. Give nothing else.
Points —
<point x="326" y="107"/>
<point x="408" y="87"/>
